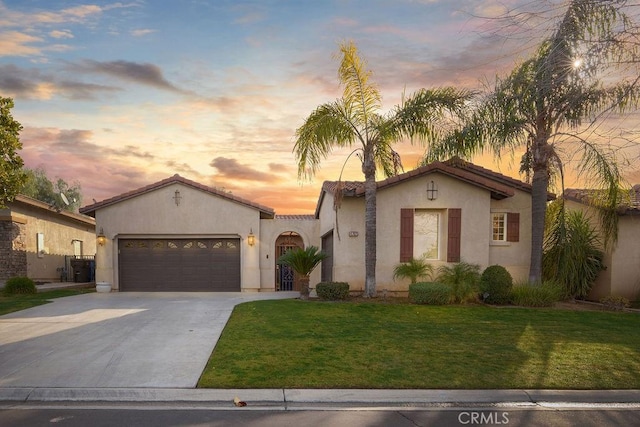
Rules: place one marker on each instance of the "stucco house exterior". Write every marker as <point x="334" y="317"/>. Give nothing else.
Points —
<point x="622" y="260"/>
<point x="35" y="239"/>
<point x="179" y="235"/>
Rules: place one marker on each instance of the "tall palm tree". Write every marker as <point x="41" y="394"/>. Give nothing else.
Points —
<point x="355" y="118"/>
<point x="549" y="107"/>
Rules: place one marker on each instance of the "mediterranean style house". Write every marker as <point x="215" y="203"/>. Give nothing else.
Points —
<point x="37" y="241"/>
<point x="179" y="235"/>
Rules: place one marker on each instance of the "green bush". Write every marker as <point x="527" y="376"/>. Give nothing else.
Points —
<point x="615" y="303"/>
<point x="463" y="279"/>
<point x="544" y="295"/>
<point x="495" y="285"/>
<point x="20" y="285"/>
<point x="332" y="291"/>
<point x="431" y="293"/>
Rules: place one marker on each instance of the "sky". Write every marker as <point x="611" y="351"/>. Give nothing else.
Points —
<point x="118" y="95"/>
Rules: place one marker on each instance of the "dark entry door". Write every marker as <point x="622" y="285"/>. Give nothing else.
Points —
<point x="178" y="265"/>
<point x="327" y="263"/>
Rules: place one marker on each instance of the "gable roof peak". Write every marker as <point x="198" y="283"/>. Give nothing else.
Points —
<point x="265" y="211"/>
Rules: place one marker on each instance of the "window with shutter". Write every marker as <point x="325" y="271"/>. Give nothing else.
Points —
<point x="406" y="235"/>
<point x="513" y="227"/>
<point x="454" y="235"/>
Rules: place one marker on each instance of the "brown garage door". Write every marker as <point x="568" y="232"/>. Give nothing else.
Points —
<point x="178" y="265"/>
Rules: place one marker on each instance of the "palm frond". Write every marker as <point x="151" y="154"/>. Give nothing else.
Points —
<point x="328" y="126"/>
<point x="302" y="261"/>
<point x="600" y="169"/>
<point x="360" y="94"/>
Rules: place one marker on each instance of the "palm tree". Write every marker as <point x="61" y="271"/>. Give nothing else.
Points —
<point x="355" y="118"/>
<point x="413" y="270"/>
<point x="547" y="105"/>
<point x="303" y="262"/>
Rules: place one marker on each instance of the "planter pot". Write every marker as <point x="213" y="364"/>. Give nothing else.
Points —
<point x="103" y="287"/>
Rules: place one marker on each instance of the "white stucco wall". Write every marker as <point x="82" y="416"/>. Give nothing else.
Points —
<point x="514" y="256"/>
<point x="199" y="214"/>
<point x="452" y="193"/>
<point x="476" y="247"/>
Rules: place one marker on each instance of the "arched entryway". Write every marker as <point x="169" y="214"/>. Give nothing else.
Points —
<point x="286" y="279"/>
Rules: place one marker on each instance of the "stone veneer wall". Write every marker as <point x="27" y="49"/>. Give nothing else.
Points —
<point x="13" y="250"/>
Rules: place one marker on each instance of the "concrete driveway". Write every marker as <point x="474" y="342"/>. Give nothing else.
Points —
<point x="116" y="339"/>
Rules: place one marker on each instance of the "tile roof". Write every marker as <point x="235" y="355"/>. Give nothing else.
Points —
<point x="265" y="212"/>
<point x="500" y="186"/>
<point x="296" y="217"/>
<point x="629" y="207"/>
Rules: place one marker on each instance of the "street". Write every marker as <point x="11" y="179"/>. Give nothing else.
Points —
<point x="158" y="415"/>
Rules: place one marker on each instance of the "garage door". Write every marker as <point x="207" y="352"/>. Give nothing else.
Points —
<point x="178" y="265"/>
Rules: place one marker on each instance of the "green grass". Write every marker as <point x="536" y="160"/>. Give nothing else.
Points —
<point x="296" y="344"/>
<point x="9" y="304"/>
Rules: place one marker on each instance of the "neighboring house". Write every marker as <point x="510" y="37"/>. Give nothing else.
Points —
<point x="35" y="239"/>
<point x="622" y="260"/>
<point x="177" y="234"/>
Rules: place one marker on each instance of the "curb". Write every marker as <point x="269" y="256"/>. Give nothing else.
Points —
<point x="322" y="397"/>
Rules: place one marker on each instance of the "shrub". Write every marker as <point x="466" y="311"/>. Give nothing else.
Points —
<point x="572" y="251"/>
<point x="332" y="291"/>
<point x="463" y="279"/>
<point x="495" y="285"/>
<point x="431" y="293"/>
<point x="544" y="295"/>
<point x="413" y="270"/>
<point x="615" y="303"/>
<point x="20" y="285"/>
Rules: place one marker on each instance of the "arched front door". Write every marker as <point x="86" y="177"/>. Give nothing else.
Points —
<point x="286" y="279"/>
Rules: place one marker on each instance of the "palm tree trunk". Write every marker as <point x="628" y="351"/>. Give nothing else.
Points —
<point x="539" y="188"/>
<point x="369" y="169"/>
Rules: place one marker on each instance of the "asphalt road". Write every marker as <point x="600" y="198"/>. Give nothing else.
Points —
<point x="81" y="416"/>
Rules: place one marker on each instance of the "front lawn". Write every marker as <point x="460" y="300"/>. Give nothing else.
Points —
<point x="314" y="344"/>
<point x="9" y="304"/>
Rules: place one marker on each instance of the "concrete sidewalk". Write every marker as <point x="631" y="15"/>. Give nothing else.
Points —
<point x="324" y="398"/>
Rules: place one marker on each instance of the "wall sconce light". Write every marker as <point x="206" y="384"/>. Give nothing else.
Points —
<point x="102" y="239"/>
<point x="251" y="238"/>
<point x="432" y="191"/>
<point x="177" y="197"/>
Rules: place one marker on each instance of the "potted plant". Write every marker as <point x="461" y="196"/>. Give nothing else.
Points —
<point x="303" y="262"/>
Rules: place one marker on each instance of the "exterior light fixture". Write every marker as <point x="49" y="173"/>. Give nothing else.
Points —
<point x="177" y="197"/>
<point x="251" y="238"/>
<point x="102" y="239"/>
<point x="432" y="191"/>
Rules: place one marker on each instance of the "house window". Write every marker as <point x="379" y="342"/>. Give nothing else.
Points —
<point x="505" y="227"/>
<point x="420" y="233"/>
<point x="77" y="248"/>
<point x="426" y="229"/>
<point x="40" y="244"/>
<point x="499" y="227"/>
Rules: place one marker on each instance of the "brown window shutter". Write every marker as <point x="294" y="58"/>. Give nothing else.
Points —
<point x="513" y="227"/>
<point x="454" y="234"/>
<point x="406" y="235"/>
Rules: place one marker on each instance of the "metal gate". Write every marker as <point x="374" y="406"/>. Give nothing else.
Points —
<point x="286" y="276"/>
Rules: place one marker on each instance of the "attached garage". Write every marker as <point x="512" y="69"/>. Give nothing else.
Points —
<point x="179" y="265"/>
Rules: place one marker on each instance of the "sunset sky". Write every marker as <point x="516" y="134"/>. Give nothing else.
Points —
<point x="118" y="95"/>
